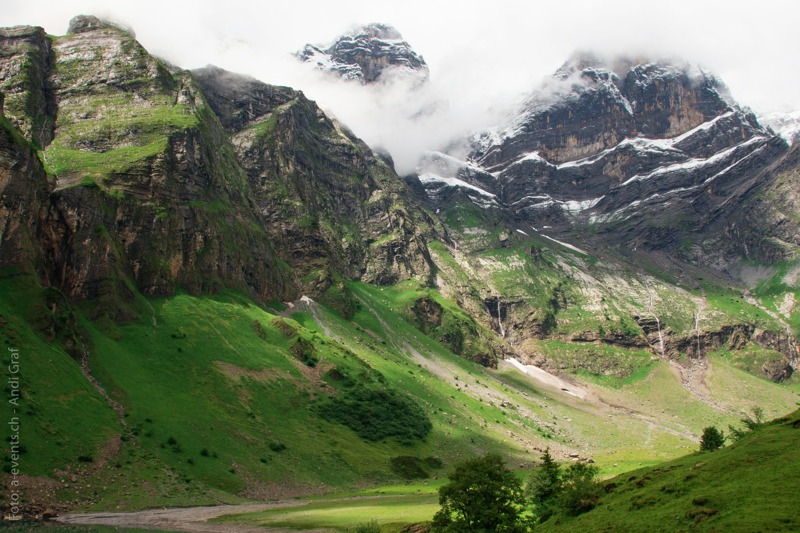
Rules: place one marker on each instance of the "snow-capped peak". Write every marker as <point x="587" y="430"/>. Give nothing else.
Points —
<point x="366" y="54"/>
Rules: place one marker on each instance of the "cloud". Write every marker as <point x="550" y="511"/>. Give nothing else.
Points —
<point x="482" y="57"/>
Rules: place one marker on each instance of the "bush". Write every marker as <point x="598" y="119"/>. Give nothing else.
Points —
<point x="751" y="423"/>
<point x="277" y="446"/>
<point x="712" y="439"/>
<point x="368" y="527"/>
<point x="408" y="467"/>
<point x="376" y="414"/>
<point x="572" y="490"/>
<point x="304" y="350"/>
<point x="579" y="490"/>
<point x="544" y="487"/>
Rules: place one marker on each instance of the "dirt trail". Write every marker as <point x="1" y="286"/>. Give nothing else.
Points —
<point x="186" y="519"/>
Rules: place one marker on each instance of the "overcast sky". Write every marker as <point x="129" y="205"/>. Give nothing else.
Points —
<point x="481" y="55"/>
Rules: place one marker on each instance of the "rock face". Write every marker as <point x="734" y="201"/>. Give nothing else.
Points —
<point x="368" y="54"/>
<point x="651" y="155"/>
<point x="24" y="69"/>
<point x="24" y="189"/>
<point x="149" y="184"/>
<point x="330" y="205"/>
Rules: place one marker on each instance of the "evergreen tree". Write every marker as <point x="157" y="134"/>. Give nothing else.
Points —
<point x="544" y="487"/>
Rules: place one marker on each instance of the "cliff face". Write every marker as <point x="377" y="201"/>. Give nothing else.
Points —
<point x="146" y="190"/>
<point x="26" y="64"/>
<point x="328" y="202"/>
<point x="24" y="189"/>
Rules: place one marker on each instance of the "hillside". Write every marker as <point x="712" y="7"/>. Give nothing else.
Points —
<point x="745" y="486"/>
<point x="220" y="293"/>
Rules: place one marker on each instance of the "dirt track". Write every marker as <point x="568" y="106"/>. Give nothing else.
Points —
<point x="185" y="519"/>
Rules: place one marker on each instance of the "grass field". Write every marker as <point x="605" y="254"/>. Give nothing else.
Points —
<point x="391" y="512"/>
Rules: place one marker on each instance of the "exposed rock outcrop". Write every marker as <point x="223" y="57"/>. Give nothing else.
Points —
<point x="159" y="180"/>
<point x="367" y="55"/>
<point x="331" y="205"/>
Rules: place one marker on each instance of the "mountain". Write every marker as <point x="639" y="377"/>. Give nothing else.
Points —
<point x="144" y="185"/>
<point x="648" y="155"/>
<point x="367" y="55"/>
<point x="222" y="293"/>
<point x="787" y="125"/>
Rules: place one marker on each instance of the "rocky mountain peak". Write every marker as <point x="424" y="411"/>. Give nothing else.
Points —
<point x="590" y="104"/>
<point x="87" y="23"/>
<point x="366" y="55"/>
<point x="376" y="30"/>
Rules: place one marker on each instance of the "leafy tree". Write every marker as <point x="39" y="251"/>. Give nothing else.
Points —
<point x="544" y="487"/>
<point x="712" y="439"/>
<point x="580" y="491"/>
<point x="482" y="496"/>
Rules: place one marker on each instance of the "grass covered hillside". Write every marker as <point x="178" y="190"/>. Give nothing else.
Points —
<point x="215" y="399"/>
<point x="750" y="485"/>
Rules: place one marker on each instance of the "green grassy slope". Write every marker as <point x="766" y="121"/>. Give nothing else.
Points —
<point x="219" y="404"/>
<point x="748" y="486"/>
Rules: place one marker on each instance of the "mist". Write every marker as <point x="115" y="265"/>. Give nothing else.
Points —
<point x="483" y="59"/>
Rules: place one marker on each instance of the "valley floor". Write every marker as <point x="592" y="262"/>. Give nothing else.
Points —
<point x="195" y="519"/>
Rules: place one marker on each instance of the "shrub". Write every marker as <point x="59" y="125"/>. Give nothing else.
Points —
<point x="277" y="446"/>
<point x="572" y="490"/>
<point x="408" y="467"/>
<point x="579" y="490"/>
<point x="712" y="439"/>
<point x="304" y="350"/>
<point x="376" y="414"/>
<point x="368" y="527"/>
<point x="751" y="423"/>
<point x="544" y="487"/>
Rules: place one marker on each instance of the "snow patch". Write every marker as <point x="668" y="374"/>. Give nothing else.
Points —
<point x="564" y="244"/>
<point x="694" y="163"/>
<point x="453" y="182"/>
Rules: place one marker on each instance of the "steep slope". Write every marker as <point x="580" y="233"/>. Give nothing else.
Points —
<point x="154" y="219"/>
<point x="159" y="186"/>
<point x="330" y="203"/>
<point x="747" y="486"/>
<point x="371" y="53"/>
<point x="787" y="125"/>
<point x="616" y="187"/>
<point x="147" y="195"/>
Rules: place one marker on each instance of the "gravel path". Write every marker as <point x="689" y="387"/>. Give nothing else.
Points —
<point x="186" y="518"/>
